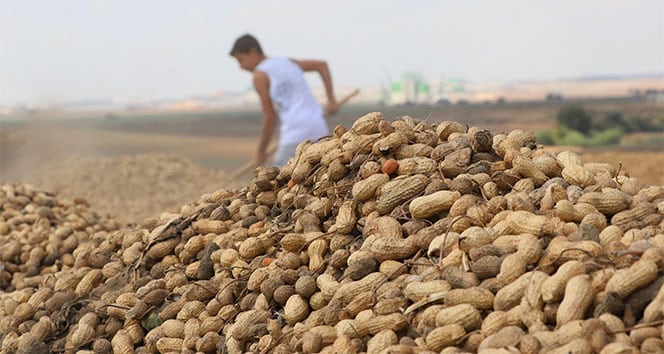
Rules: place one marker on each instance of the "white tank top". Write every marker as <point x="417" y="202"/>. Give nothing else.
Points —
<point x="300" y="115"/>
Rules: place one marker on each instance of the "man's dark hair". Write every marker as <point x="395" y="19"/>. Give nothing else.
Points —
<point x="244" y="45"/>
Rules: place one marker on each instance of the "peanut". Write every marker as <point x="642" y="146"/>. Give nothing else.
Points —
<point x="398" y="191"/>
<point x="578" y="297"/>
<point x="432" y="204"/>
<point x="626" y="281"/>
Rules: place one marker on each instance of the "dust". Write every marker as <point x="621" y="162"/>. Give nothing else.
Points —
<point x="91" y="159"/>
<point x="28" y="145"/>
<point x="129" y="188"/>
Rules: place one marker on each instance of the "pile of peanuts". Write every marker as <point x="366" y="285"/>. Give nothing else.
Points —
<point x="389" y="237"/>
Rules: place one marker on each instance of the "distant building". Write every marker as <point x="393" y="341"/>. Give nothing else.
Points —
<point x="414" y="89"/>
<point x="552" y="96"/>
<point x="410" y="90"/>
<point x="654" y="96"/>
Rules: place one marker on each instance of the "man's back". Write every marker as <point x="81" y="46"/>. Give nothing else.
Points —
<point x="300" y="114"/>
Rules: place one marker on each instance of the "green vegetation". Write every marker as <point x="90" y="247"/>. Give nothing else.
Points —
<point x="566" y="136"/>
<point x="577" y="126"/>
<point x="575" y="118"/>
<point x="632" y="124"/>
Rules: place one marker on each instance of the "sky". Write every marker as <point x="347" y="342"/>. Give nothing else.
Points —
<point x="64" y="51"/>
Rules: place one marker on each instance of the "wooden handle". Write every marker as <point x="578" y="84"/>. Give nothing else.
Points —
<point x="271" y="150"/>
<point x="347" y="98"/>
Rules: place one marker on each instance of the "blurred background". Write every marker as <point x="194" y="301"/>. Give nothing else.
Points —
<point x="137" y="106"/>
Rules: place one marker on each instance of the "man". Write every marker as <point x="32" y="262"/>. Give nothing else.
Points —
<point x="281" y="86"/>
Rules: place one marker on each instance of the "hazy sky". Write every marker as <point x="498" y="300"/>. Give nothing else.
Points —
<point x="55" y="51"/>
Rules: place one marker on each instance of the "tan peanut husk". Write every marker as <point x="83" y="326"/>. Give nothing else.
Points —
<point x="122" y="343"/>
<point x="432" y="204"/>
<point x="296" y="309"/>
<point x="608" y="201"/>
<point x="389" y="144"/>
<point x="626" y="281"/>
<point x="444" y="336"/>
<point x="399" y="190"/>
<point x="464" y="314"/>
<point x="477" y="297"/>
<point x="366" y="189"/>
<point x="382" y="340"/>
<point x="417" y="165"/>
<point x="529" y="169"/>
<point x="576" y="300"/>
<point x="368" y="123"/>
<point x="507" y="336"/>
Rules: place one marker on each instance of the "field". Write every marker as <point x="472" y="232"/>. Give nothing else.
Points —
<point x="58" y="149"/>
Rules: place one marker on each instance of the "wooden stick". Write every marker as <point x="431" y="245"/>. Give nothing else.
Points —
<point x="271" y="150"/>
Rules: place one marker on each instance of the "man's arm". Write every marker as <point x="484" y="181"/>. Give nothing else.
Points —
<point x="322" y="69"/>
<point x="262" y="86"/>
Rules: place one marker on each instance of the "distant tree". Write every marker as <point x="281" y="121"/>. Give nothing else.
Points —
<point x="544" y="137"/>
<point x="551" y="96"/>
<point x="614" y="120"/>
<point x="576" y="118"/>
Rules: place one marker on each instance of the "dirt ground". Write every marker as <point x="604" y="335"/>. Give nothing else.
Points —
<point x="137" y="166"/>
<point x="645" y="165"/>
<point x="130" y="188"/>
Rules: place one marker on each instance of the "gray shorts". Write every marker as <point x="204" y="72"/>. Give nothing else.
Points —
<point x="283" y="154"/>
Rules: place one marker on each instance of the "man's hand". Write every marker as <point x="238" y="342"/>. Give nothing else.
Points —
<point x="321" y="67"/>
<point x="332" y="108"/>
<point x="259" y="157"/>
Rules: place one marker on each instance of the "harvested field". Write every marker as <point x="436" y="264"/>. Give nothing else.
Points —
<point x="646" y="165"/>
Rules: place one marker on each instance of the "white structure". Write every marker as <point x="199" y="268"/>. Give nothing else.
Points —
<point x="411" y="89"/>
<point x="414" y="89"/>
